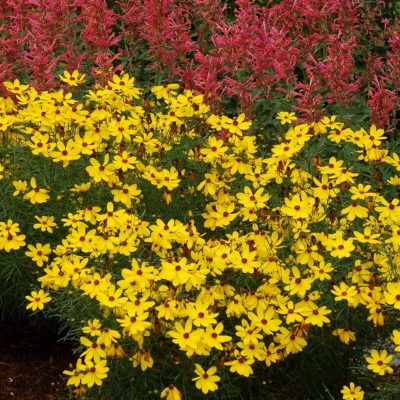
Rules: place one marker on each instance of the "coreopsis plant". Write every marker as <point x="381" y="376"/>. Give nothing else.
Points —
<point x="187" y="255"/>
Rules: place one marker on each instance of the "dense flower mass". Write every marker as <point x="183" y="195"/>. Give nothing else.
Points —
<point x="191" y="241"/>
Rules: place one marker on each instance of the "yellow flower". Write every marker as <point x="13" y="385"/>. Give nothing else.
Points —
<point x="396" y="339"/>
<point x="99" y="171"/>
<point x="394" y="180"/>
<point x="9" y="227"/>
<point x="124" y="85"/>
<point x="367" y="236"/>
<point x="339" y="134"/>
<point x="112" y="297"/>
<point x="45" y="223"/>
<point x="185" y="337"/>
<point x="20" y="187"/>
<point x="37" y="300"/>
<point x="36" y="195"/>
<point x="133" y="322"/>
<point x="86" y="144"/>
<point x="168" y="179"/>
<point x="272" y="355"/>
<point x="325" y="189"/>
<point x="283" y="152"/>
<point x="394" y="160"/>
<point x="378" y="362"/>
<point x="213" y="337"/>
<point x="345" y="335"/>
<point x="345" y="292"/>
<point x="374" y="137"/>
<point x="355" y="210"/>
<point x="212" y="183"/>
<point x="81" y="188"/>
<point x="252" y="351"/>
<point x="331" y="123"/>
<point x="389" y="212"/>
<point x="293" y="312"/>
<point x="177" y="272"/>
<point x="93" y="373"/>
<point x="219" y="215"/>
<point x="165" y="91"/>
<point x="256" y="200"/>
<point x="343" y="248"/>
<point x="245" y="261"/>
<point x="115" y="350"/>
<point x="168" y="310"/>
<point x="248" y="333"/>
<point x="321" y="271"/>
<point x="298" y="207"/>
<point x="15" y="87"/>
<point x="352" y="392"/>
<point x="214" y="150"/>
<point x="75" y="375"/>
<point x="238" y="125"/>
<point x="234" y="307"/>
<point x="291" y="342"/>
<point x="215" y="121"/>
<point x="234" y="164"/>
<point x="74" y="220"/>
<point x="265" y="319"/>
<point x="297" y="284"/>
<point x="361" y="272"/>
<point x="286" y="117"/>
<point x="142" y="358"/>
<point x="333" y="168"/>
<point x="93" y="350"/>
<point x="392" y="294"/>
<point x="92" y="327"/>
<point x="109" y="337"/>
<point x="74" y="79"/>
<point x="206" y="381"/>
<point x="124" y="161"/>
<point x="361" y="192"/>
<point x="241" y="366"/>
<point x="200" y="314"/>
<point x="90" y="213"/>
<point x="126" y="194"/>
<point x="344" y="175"/>
<point x="39" y="253"/>
<point x="316" y="315"/>
<point x="65" y="153"/>
<point x="375" y="314"/>
<point x="171" y="392"/>
<point x="10" y="240"/>
<point x="41" y="144"/>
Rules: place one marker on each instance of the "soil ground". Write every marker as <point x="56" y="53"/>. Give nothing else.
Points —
<point x="31" y="363"/>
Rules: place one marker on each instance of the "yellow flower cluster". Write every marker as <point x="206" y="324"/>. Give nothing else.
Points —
<point x="10" y="236"/>
<point x="247" y="250"/>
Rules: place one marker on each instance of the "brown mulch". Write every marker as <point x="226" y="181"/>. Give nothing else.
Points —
<point x="31" y="363"/>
